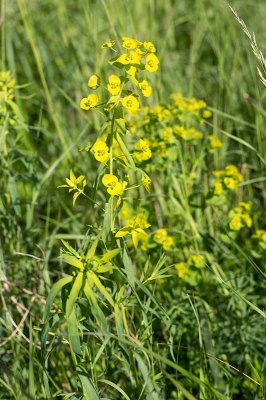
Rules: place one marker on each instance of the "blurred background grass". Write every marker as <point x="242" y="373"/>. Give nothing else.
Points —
<point x="52" y="47"/>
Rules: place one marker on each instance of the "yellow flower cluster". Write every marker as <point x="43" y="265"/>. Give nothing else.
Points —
<point x="215" y="142"/>
<point x="134" y="225"/>
<point x="138" y="56"/>
<point x="184" y="268"/>
<point x="114" y="85"/>
<point x="100" y="150"/>
<point x="160" y="113"/>
<point x="143" y="151"/>
<point x="89" y="102"/>
<point x="161" y="236"/>
<point x="198" y="260"/>
<point x="240" y="216"/>
<point x="229" y="178"/>
<point x="260" y="235"/>
<point x="189" y="105"/>
<point x="187" y="133"/>
<point x="164" y="126"/>
<point x="7" y="84"/>
<point x="113" y="185"/>
<point x="75" y="185"/>
<point x="146" y="182"/>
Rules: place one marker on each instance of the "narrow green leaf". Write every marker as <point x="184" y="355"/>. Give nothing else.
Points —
<point x="150" y="295"/>
<point x="72" y="260"/>
<point x="53" y="293"/>
<point x="88" y="388"/>
<point x="125" y="151"/>
<point x="74" y="293"/>
<point x="92" y="249"/>
<point x="123" y="231"/>
<point x="115" y="387"/>
<point x="109" y="255"/>
<point x="129" y="268"/>
<point x="148" y="386"/>
<point x="171" y="364"/>
<point x="180" y="387"/>
<point x="105" y="268"/>
<point x="94" y="278"/>
<point x="70" y="248"/>
<point x="73" y="335"/>
<point x="95" y="309"/>
<point x="107" y="219"/>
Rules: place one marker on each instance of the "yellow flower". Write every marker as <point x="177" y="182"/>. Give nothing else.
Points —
<point x="135" y="227"/>
<point x="145" y="88"/>
<point x="195" y="134"/>
<point x="129" y="43"/>
<point x="218" y="188"/>
<point x="117" y="152"/>
<point x="144" y="151"/>
<point x="240" y="216"/>
<point x="114" y="187"/>
<point x="167" y="134"/>
<point x="231" y="170"/>
<point x="218" y="173"/>
<point x="6" y="89"/>
<point x="261" y="235"/>
<point x="131" y="70"/>
<point x="182" y="132"/>
<point x="113" y="86"/>
<point x="169" y="241"/>
<point x="230" y="183"/>
<point x="72" y="183"/>
<point x="161" y="149"/>
<point x="112" y="102"/>
<point x="160" y="235"/>
<point x="146" y="182"/>
<point x="230" y="176"/>
<point x="152" y="63"/>
<point x="235" y="223"/>
<point x="143" y="239"/>
<point x="161" y="113"/>
<point x="100" y="150"/>
<point x="215" y="142"/>
<point x="130" y="103"/>
<point x="247" y="220"/>
<point x="149" y="46"/>
<point x="129" y="58"/>
<point x="140" y="220"/>
<point x="108" y="45"/>
<point x="182" y="269"/>
<point x="198" y="260"/>
<point x="207" y="114"/>
<point x="246" y="206"/>
<point x="94" y="81"/>
<point x="89" y="102"/>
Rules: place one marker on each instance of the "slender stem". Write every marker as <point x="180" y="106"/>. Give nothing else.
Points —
<point x="125" y="151"/>
<point x="111" y="172"/>
<point x="3" y="31"/>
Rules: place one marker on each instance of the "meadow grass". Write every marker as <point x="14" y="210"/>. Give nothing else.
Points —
<point x="204" y="340"/>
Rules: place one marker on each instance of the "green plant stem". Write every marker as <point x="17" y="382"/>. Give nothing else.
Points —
<point x="111" y="172"/>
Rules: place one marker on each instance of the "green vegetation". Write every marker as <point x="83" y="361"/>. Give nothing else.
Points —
<point x="142" y="274"/>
